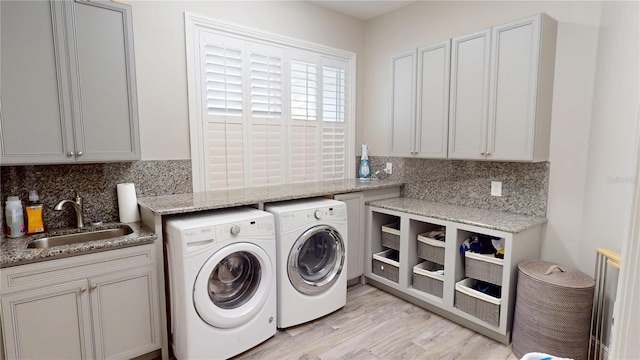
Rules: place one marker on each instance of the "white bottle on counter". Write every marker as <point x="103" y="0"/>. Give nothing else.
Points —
<point x="14" y="217"/>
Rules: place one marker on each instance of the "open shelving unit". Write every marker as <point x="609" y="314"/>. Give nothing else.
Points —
<point x="475" y="310"/>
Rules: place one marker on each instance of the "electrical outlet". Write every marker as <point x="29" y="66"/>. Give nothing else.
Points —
<point x="496" y="188"/>
<point x="388" y="168"/>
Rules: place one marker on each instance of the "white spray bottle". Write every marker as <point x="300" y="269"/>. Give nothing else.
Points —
<point x="365" y="171"/>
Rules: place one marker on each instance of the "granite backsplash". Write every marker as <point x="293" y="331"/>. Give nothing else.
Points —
<point x="94" y="183"/>
<point x="467" y="183"/>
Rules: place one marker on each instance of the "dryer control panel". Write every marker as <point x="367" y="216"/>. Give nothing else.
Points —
<point x="296" y="219"/>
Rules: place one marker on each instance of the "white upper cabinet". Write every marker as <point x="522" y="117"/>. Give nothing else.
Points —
<point x="469" y="94"/>
<point x="420" y="98"/>
<point x="521" y="89"/>
<point x="68" y="83"/>
<point x="489" y="100"/>
<point x="403" y="103"/>
<point x="35" y="121"/>
<point x="501" y="91"/>
<point x="432" y="113"/>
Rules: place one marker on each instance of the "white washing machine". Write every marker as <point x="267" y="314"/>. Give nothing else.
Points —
<point x="222" y="281"/>
<point x="311" y="236"/>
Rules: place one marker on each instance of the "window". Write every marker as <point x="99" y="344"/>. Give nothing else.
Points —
<point x="266" y="110"/>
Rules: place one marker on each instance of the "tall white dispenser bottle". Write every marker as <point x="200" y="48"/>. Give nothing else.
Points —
<point x="15" y="217"/>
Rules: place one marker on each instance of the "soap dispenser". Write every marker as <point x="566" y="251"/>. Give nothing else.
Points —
<point x="35" y="219"/>
<point x="365" y="171"/>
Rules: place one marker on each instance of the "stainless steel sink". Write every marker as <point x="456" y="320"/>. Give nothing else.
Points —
<point x="81" y="237"/>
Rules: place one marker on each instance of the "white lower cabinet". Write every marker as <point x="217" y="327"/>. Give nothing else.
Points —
<point x="97" y="306"/>
<point x="356" y="233"/>
<point x="421" y="263"/>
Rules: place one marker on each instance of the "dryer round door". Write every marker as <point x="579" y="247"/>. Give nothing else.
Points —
<point x="316" y="260"/>
<point x="233" y="285"/>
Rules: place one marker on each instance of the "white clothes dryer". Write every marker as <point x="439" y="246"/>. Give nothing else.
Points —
<point x="311" y="237"/>
<point x="222" y="281"/>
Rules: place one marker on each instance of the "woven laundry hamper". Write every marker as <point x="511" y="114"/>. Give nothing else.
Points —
<point x="553" y="310"/>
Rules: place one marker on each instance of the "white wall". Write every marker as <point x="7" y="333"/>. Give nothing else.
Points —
<point x="614" y="123"/>
<point x="158" y="28"/>
<point x="577" y="44"/>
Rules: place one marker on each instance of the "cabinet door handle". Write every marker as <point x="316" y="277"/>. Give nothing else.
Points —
<point x="83" y="289"/>
<point x="93" y="286"/>
<point x="381" y="267"/>
<point x="483" y="153"/>
<point x="488" y="153"/>
<point x="80" y="153"/>
<point x="69" y="153"/>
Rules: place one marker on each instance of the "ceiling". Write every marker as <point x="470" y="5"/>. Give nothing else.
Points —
<point x="362" y="9"/>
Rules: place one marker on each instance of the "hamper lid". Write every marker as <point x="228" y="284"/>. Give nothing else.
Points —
<point x="555" y="274"/>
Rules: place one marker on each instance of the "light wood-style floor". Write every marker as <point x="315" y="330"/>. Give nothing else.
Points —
<point x="377" y="325"/>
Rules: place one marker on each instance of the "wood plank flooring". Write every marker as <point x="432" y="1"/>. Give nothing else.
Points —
<point x="376" y="325"/>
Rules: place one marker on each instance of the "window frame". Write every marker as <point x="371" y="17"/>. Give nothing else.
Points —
<point x="194" y="24"/>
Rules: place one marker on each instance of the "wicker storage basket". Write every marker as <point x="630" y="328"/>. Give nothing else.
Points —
<point x="483" y="267"/>
<point x="391" y="236"/>
<point x="431" y="249"/>
<point x="426" y="279"/>
<point x="476" y="303"/>
<point x="553" y="310"/>
<point x="385" y="264"/>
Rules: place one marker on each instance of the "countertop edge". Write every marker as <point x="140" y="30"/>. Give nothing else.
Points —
<point x="249" y="199"/>
<point x="517" y="223"/>
<point x="14" y="251"/>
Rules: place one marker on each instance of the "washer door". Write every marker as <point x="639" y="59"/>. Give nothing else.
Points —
<point x="316" y="260"/>
<point x="233" y="285"/>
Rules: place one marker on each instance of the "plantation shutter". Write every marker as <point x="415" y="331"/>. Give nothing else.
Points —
<point x="222" y="68"/>
<point x="304" y="125"/>
<point x="267" y="113"/>
<point x="304" y="148"/>
<point x="223" y="78"/>
<point x="333" y="151"/>
<point x="304" y="90"/>
<point x="268" y="142"/>
<point x="224" y="155"/>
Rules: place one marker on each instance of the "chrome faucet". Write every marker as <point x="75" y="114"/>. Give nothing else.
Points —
<point x="77" y="206"/>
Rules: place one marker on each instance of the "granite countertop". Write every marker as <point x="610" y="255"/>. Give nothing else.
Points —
<point x="14" y="251"/>
<point x="489" y="219"/>
<point x="184" y="203"/>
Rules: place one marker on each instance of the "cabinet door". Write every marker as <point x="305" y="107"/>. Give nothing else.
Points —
<point x="104" y="93"/>
<point x="403" y="85"/>
<point x="432" y="116"/>
<point x="355" y="236"/>
<point x="49" y="323"/>
<point x="512" y="101"/>
<point x="468" y="100"/>
<point x="35" y="116"/>
<point x="125" y="313"/>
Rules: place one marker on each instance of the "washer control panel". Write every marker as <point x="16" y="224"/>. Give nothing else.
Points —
<point x="245" y="229"/>
<point x="218" y="233"/>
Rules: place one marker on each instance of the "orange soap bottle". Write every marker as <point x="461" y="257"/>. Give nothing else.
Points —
<point x="35" y="219"/>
